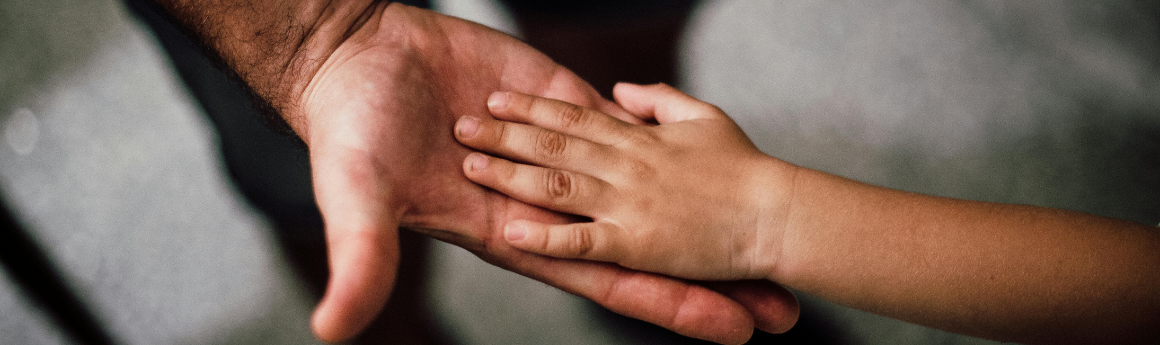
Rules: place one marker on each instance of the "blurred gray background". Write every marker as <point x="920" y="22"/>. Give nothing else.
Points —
<point x="109" y="161"/>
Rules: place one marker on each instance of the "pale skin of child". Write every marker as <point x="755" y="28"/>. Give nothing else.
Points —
<point x="693" y="198"/>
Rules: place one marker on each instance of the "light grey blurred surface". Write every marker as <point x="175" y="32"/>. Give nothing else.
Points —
<point x="1050" y="103"/>
<point x="112" y="166"/>
<point x="106" y="157"/>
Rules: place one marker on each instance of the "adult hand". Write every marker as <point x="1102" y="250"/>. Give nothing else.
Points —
<point x="374" y="90"/>
<point x="378" y="119"/>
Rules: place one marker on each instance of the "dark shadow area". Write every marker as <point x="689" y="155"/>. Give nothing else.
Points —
<point x="607" y="41"/>
<point x="40" y="280"/>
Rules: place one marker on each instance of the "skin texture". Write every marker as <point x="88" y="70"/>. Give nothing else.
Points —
<point x="616" y="172"/>
<point x="373" y="173"/>
<point x="374" y="90"/>
<point x="693" y="198"/>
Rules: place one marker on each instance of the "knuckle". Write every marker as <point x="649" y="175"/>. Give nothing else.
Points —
<point x="580" y="242"/>
<point x="550" y="145"/>
<point x="560" y="185"/>
<point x="506" y="173"/>
<point x="502" y="134"/>
<point x="639" y="170"/>
<point x="571" y="115"/>
<point x="638" y="138"/>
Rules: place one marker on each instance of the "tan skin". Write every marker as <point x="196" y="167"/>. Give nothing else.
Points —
<point x="374" y="90"/>
<point x="693" y="198"/>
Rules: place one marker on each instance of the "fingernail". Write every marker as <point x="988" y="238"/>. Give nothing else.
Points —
<point x="467" y="126"/>
<point x="515" y="232"/>
<point x="498" y="100"/>
<point x="476" y="161"/>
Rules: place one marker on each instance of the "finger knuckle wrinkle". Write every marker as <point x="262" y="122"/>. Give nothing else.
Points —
<point x="551" y="145"/>
<point x="581" y="242"/>
<point x="571" y="115"/>
<point x="560" y="185"/>
<point x="637" y="139"/>
<point x="502" y="135"/>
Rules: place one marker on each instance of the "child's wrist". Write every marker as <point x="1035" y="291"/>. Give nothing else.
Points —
<point x="772" y="196"/>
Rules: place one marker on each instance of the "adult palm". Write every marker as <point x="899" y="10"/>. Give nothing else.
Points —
<point x="378" y="120"/>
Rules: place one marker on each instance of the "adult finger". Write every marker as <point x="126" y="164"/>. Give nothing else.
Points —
<point x="533" y="145"/>
<point x="598" y="241"/>
<point x="774" y="308"/>
<point x="559" y="190"/>
<point x="557" y="115"/>
<point x="663" y="103"/>
<point x="685" y="308"/>
<point x="362" y="244"/>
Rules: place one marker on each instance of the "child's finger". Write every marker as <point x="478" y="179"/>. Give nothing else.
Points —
<point x="533" y="145"/>
<point x="560" y="190"/>
<point x="560" y="116"/>
<point x="662" y="103"/>
<point x="589" y="241"/>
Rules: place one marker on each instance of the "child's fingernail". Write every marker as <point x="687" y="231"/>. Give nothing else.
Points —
<point x="467" y="126"/>
<point x="476" y="161"/>
<point x="498" y="100"/>
<point x="515" y="232"/>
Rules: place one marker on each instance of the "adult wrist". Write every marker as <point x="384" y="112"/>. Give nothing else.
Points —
<point x="275" y="47"/>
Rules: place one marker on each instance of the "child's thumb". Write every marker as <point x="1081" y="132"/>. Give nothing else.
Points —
<point x="662" y="103"/>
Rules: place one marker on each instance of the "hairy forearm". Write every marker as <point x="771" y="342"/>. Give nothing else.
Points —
<point x="1008" y="272"/>
<point x="273" y="46"/>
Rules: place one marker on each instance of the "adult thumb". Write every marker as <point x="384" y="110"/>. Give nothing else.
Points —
<point x="362" y="244"/>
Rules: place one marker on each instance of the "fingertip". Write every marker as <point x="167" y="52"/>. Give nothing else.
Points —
<point x="474" y="163"/>
<point x="528" y="236"/>
<point x="780" y="318"/>
<point x="363" y="267"/>
<point x="715" y="318"/>
<point x="323" y="326"/>
<point x="515" y="232"/>
<point x="525" y="235"/>
<point x="775" y="309"/>
<point x="625" y="86"/>
<point x="336" y="319"/>
<point x="630" y="97"/>
<point x="466" y="127"/>
<point x="624" y="91"/>
<point x="498" y="101"/>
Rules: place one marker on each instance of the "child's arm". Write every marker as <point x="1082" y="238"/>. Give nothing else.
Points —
<point x="694" y="198"/>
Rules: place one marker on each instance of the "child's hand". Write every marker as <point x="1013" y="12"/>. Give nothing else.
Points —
<point x="692" y="197"/>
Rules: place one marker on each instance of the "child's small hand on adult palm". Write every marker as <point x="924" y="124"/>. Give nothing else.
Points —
<point x="691" y="197"/>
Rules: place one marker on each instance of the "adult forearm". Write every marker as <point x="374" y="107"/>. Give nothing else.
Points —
<point x="274" y="46"/>
<point x="1009" y="272"/>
